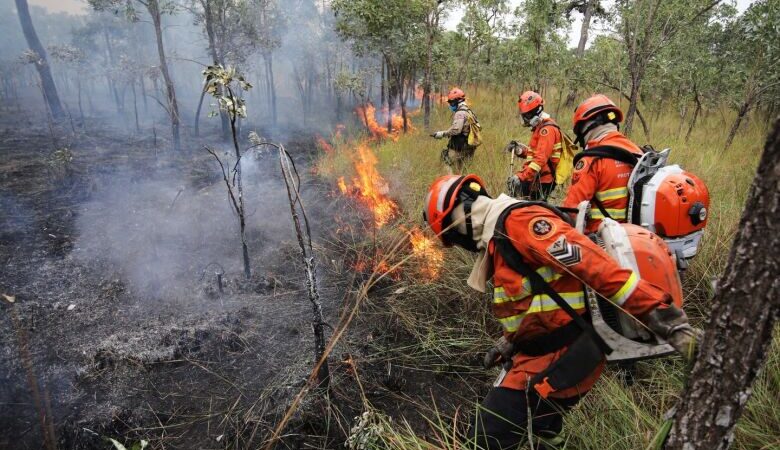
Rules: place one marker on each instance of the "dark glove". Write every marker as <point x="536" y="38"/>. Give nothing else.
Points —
<point x="672" y="325"/>
<point x="500" y="353"/>
<point x="513" y="185"/>
<point x="512" y="146"/>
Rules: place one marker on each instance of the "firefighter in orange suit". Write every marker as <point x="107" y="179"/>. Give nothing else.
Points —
<point x="536" y="179"/>
<point x="601" y="180"/>
<point x="550" y="357"/>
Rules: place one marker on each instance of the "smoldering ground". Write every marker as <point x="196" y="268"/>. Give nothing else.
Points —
<point x="164" y="232"/>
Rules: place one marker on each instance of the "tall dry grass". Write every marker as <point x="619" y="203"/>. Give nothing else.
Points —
<point x="447" y="323"/>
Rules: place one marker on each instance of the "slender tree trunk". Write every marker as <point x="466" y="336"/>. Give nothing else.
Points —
<point x="142" y="83"/>
<point x="745" y="310"/>
<point x="741" y="113"/>
<point x="432" y="25"/>
<point x="173" y="107"/>
<point x="633" y="99"/>
<point x="208" y="14"/>
<point x="111" y="84"/>
<point x="382" y="86"/>
<point x="81" y="109"/>
<point x="696" y="112"/>
<point x="269" y="64"/>
<point x="42" y="65"/>
<point x="196" y="125"/>
<point x="135" y="106"/>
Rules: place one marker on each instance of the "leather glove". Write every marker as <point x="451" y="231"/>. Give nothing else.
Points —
<point x="512" y="146"/>
<point x="438" y="135"/>
<point x="672" y="325"/>
<point x="500" y="353"/>
<point x="513" y="185"/>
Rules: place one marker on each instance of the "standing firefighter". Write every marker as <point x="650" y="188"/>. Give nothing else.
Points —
<point x="536" y="179"/>
<point x="463" y="134"/>
<point x="602" y="180"/>
<point x="540" y="266"/>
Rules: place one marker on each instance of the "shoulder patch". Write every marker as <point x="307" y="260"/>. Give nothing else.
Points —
<point x="543" y="131"/>
<point x="580" y="165"/>
<point x="541" y="228"/>
<point x="566" y="253"/>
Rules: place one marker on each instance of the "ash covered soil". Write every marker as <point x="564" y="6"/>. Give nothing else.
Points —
<point x="110" y="246"/>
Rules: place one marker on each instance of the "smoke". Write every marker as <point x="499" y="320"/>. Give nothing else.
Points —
<point x="159" y="231"/>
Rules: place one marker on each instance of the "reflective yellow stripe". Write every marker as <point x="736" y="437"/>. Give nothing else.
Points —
<point x="617" y="214"/>
<point x="499" y="295"/>
<point x="628" y="288"/>
<point x="511" y="324"/>
<point x="557" y="146"/>
<point x="556" y="155"/>
<point x="543" y="303"/>
<point x="535" y="167"/>
<point x="612" y="194"/>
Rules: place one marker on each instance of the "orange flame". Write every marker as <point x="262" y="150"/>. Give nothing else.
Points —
<point x="367" y="115"/>
<point x="323" y="144"/>
<point x="428" y="252"/>
<point x="369" y="187"/>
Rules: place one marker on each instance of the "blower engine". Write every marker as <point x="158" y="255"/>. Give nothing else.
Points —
<point x="642" y="251"/>
<point x="670" y="202"/>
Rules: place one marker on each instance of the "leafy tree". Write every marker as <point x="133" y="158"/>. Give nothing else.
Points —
<point x="155" y="9"/>
<point x="590" y="9"/>
<point x="751" y="60"/>
<point x="646" y="27"/>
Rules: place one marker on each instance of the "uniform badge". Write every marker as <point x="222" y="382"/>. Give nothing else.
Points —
<point x="541" y="228"/>
<point x="543" y="132"/>
<point x="580" y="165"/>
<point x="566" y="253"/>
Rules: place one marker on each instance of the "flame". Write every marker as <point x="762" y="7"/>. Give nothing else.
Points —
<point x="323" y="144"/>
<point x="369" y="187"/>
<point x="428" y="252"/>
<point x="367" y="115"/>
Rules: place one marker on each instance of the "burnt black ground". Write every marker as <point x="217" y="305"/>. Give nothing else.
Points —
<point x="180" y="365"/>
<point x="162" y="356"/>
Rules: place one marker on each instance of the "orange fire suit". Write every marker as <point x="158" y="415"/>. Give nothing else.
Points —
<point x="533" y="231"/>
<point x="544" y="148"/>
<point x="604" y="179"/>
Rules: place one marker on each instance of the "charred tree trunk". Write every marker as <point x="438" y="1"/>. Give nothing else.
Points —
<point x="745" y="309"/>
<point x="173" y="107"/>
<point x="78" y="93"/>
<point x="42" y="65"/>
<point x="111" y="85"/>
<point x="135" y="107"/>
<point x="382" y="86"/>
<point x="269" y="67"/>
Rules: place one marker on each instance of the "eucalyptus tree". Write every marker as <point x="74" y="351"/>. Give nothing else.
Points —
<point x="590" y="10"/>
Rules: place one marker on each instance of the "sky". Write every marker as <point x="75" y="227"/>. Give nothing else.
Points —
<point x="80" y="6"/>
<point x="574" y="33"/>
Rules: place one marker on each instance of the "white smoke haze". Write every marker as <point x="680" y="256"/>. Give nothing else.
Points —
<point x="159" y="232"/>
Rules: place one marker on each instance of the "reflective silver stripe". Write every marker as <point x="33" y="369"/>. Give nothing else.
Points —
<point x="543" y="303"/>
<point x="443" y="193"/>
<point x="499" y="295"/>
<point x="612" y="194"/>
<point x="625" y="292"/>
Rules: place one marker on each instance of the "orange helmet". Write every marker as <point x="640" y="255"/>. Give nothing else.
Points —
<point x="529" y="101"/>
<point x="456" y="95"/>
<point x="445" y="194"/>
<point x="598" y="108"/>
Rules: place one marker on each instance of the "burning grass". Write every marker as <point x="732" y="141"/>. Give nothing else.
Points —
<point x="445" y="322"/>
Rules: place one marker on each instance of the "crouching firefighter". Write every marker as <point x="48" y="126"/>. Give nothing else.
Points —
<point x="463" y="134"/>
<point x="542" y="269"/>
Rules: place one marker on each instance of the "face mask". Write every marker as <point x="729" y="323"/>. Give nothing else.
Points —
<point x="453" y="108"/>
